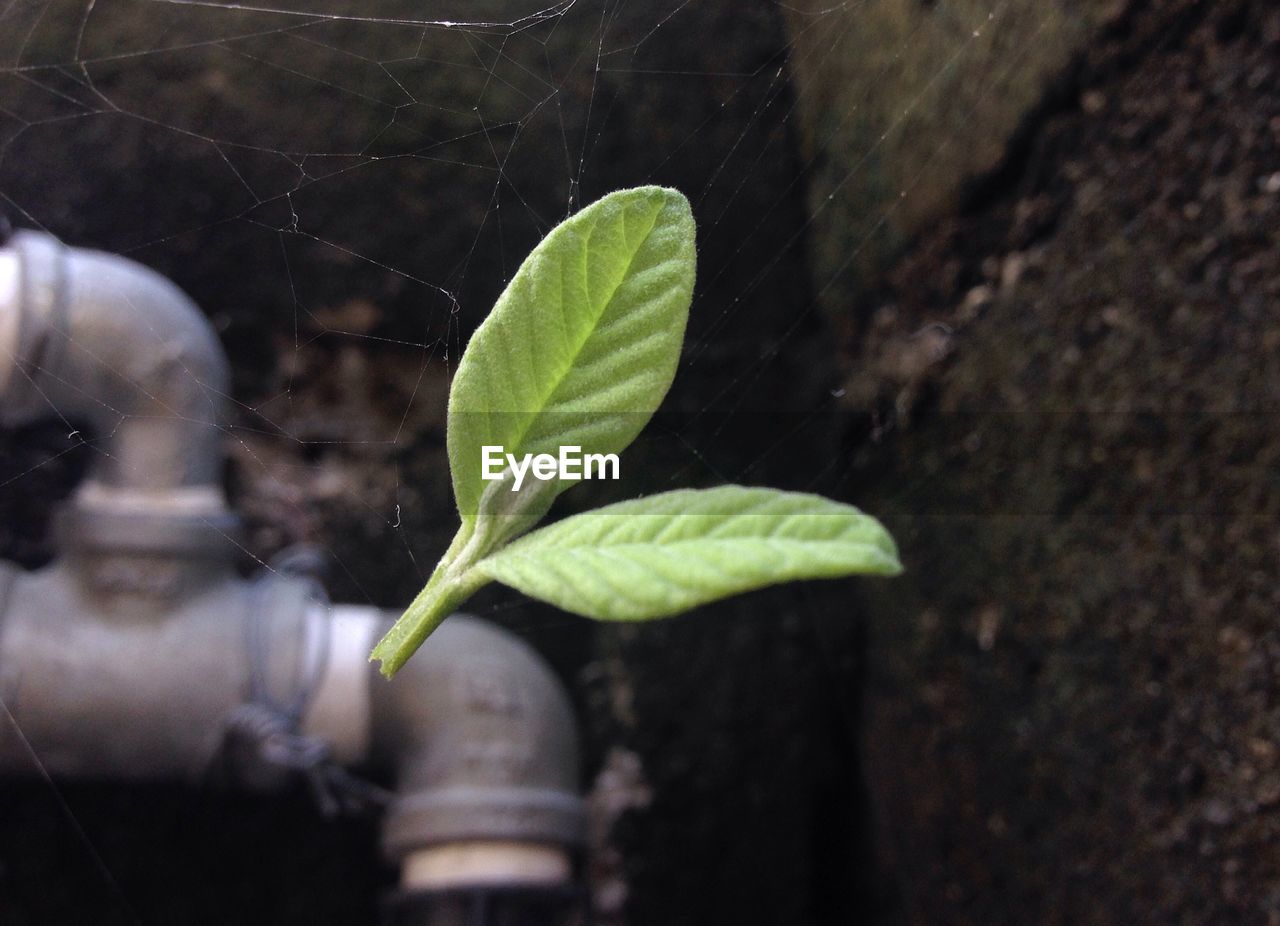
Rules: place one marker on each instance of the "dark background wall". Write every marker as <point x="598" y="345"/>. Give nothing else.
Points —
<point x="345" y="199"/>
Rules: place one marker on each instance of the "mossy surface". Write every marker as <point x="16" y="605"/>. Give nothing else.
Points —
<point x="1074" y="707"/>
<point x="903" y="104"/>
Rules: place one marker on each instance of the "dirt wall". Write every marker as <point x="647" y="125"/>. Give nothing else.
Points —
<point x="1071" y="389"/>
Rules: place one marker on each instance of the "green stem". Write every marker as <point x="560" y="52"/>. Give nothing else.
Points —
<point x="505" y="515"/>
<point x="452" y="583"/>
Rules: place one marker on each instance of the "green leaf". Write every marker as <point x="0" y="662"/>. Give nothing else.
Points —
<point x="661" y="555"/>
<point x="579" y="350"/>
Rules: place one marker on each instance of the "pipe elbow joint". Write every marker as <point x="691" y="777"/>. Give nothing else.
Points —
<point x="101" y="338"/>
<point x="483" y="739"/>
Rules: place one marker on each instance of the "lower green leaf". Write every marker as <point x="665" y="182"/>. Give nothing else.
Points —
<point x="661" y="555"/>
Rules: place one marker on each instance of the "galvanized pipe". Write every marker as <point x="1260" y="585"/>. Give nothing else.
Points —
<point x="477" y="732"/>
<point x="485" y="747"/>
<point x="127" y="656"/>
<point x="97" y="338"/>
<point x="103" y="693"/>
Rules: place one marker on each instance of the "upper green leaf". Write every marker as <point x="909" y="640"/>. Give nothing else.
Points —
<point x="579" y="350"/>
<point x="658" y="556"/>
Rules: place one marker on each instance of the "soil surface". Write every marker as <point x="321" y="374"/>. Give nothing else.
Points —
<point x="1074" y="708"/>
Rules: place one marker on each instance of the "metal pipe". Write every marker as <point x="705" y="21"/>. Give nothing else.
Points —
<point x="477" y="731"/>
<point x="483" y="740"/>
<point x="102" y="694"/>
<point x="88" y="336"/>
<point x="139" y="654"/>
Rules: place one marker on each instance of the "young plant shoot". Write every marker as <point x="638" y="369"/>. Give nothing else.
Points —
<point x="571" y="364"/>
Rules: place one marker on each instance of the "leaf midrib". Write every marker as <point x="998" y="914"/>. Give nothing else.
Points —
<point x="668" y="546"/>
<point x="568" y="368"/>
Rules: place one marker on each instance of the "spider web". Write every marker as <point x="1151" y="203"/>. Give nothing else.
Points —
<point x="345" y="188"/>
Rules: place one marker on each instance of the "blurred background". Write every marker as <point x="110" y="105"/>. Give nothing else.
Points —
<point x="1005" y="273"/>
